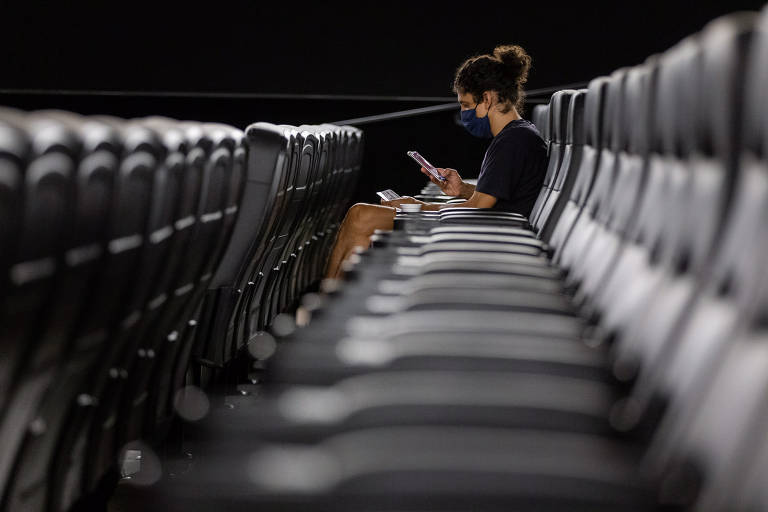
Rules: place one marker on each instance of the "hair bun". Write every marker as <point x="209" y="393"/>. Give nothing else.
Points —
<point x="515" y="59"/>
<point x="504" y="71"/>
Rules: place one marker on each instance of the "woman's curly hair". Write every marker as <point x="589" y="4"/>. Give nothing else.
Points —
<point x="505" y="71"/>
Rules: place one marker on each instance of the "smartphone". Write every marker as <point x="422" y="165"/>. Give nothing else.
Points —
<point x="428" y="166"/>
<point x="388" y="195"/>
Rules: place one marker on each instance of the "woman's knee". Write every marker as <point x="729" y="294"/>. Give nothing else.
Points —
<point x="356" y="213"/>
<point x="365" y="216"/>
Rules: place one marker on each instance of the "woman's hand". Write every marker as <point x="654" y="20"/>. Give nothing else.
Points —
<point x="395" y="203"/>
<point x="452" y="185"/>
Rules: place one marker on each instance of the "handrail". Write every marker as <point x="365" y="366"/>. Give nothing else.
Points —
<point x="397" y="115"/>
<point x="410" y="113"/>
<point x="450" y="102"/>
<point x="255" y="95"/>
<point x="222" y="95"/>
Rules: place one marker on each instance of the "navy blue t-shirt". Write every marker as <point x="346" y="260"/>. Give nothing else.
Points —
<point x="514" y="167"/>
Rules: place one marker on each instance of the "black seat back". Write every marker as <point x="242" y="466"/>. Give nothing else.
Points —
<point x="584" y="175"/>
<point x="539" y="117"/>
<point x="561" y="188"/>
<point x="46" y="152"/>
<point x="593" y="217"/>
<point x="715" y="272"/>
<point x="274" y="159"/>
<point x="556" y="126"/>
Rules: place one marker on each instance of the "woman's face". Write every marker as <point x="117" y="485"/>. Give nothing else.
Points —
<point x="467" y="102"/>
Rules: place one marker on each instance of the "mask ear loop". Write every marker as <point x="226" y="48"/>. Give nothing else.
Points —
<point x="488" y="110"/>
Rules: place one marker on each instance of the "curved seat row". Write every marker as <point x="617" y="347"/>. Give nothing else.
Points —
<point x="120" y="244"/>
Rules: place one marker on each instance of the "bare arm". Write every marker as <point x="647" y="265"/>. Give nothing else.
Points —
<point x="476" y="200"/>
<point x="452" y="186"/>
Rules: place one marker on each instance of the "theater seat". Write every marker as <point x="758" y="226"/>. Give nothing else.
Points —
<point x="42" y="156"/>
<point x="556" y="125"/>
<point x="563" y="183"/>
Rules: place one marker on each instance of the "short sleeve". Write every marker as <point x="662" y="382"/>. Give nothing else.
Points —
<point x="499" y="174"/>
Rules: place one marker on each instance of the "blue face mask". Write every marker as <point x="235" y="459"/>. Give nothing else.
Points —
<point x="477" y="126"/>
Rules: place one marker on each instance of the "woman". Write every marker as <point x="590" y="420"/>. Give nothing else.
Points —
<point x="489" y="89"/>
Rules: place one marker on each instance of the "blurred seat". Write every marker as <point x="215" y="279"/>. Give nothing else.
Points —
<point x="594" y="105"/>
<point x="164" y="380"/>
<point x="40" y="166"/>
<point x="112" y="231"/>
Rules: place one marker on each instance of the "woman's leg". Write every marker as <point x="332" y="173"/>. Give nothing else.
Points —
<point x="359" y="224"/>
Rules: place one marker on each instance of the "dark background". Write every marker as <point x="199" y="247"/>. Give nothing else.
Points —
<point x="388" y="49"/>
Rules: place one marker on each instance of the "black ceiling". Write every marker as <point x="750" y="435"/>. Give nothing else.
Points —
<point x="392" y="48"/>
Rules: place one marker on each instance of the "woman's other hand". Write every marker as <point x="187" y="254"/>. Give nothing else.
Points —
<point x="395" y="203"/>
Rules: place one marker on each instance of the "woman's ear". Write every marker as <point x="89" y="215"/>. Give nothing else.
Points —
<point x="489" y="97"/>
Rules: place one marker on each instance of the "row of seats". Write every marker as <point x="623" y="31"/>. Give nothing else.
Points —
<point x="315" y="169"/>
<point x="607" y="353"/>
<point x="124" y="246"/>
